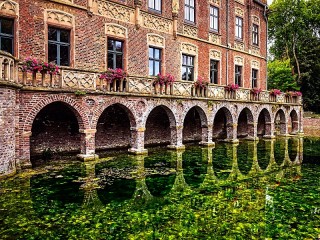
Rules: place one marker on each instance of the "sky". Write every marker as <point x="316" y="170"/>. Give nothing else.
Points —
<point x="269" y="2"/>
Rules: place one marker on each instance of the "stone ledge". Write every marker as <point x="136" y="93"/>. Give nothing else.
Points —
<point x="87" y="157"/>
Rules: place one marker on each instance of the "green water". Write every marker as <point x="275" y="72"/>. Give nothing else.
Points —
<point x="264" y="190"/>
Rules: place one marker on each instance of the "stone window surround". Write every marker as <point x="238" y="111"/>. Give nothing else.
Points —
<point x="192" y="50"/>
<point x="238" y="61"/>
<point x="217" y="56"/>
<point x="157" y="41"/>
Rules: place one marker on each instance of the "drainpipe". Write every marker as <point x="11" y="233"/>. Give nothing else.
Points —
<point x="227" y="55"/>
<point x="266" y="18"/>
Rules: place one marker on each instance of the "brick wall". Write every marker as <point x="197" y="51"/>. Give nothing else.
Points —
<point x="311" y="127"/>
<point x="7" y="130"/>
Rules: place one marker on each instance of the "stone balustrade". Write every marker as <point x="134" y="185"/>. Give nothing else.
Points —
<point x="81" y="80"/>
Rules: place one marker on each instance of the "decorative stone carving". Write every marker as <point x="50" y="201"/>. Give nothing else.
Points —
<point x="255" y="64"/>
<point x="214" y="2"/>
<point x="214" y="54"/>
<point x="156" y="23"/>
<point x="55" y="16"/>
<point x="239" y="46"/>
<point x="238" y="60"/>
<point x="256" y="20"/>
<point x="214" y="38"/>
<point x="255" y="51"/>
<point x="115" y="11"/>
<point x="9" y="7"/>
<point x="190" y="31"/>
<point x="155" y="40"/>
<point x="78" y="80"/>
<point x="240" y="1"/>
<point x="239" y="12"/>
<point x="116" y="30"/>
<point x="175" y="6"/>
<point x="189" y="48"/>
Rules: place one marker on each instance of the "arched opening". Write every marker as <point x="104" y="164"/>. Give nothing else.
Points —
<point x="280" y="123"/>
<point x="158" y="126"/>
<point x="245" y="124"/>
<point x="195" y="125"/>
<point x="264" y="123"/>
<point x="113" y="128"/>
<point x="222" y="124"/>
<point x="293" y="125"/>
<point x="55" y="131"/>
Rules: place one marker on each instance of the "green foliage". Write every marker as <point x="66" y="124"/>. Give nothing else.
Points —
<point x="280" y="76"/>
<point x="80" y="93"/>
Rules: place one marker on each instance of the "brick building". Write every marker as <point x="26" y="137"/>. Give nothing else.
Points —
<point x="222" y="41"/>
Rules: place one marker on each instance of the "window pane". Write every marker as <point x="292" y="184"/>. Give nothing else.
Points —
<point x="186" y="13"/>
<point x="151" y="5"/>
<point x="192" y="3"/>
<point x="64" y="36"/>
<point x="157" y="54"/>
<point x="151" y="68"/>
<point x="118" y="46"/>
<point x="7" y="45"/>
<point x="191" y="14"/>
<point x="184" y="73"/>
<point x="52" y="53"/>
<point x="157" y="68"/>
<point x="52" y="34"/>
<point x="110" y="60"/>
<point x="184" y="59"/>
<point x="7" y="26"/>
<point x="110" y="44"/>
<point x="64" y="55"/>
<point x="151" y="52"/>
<point x="158" y="5"/>
<point x="119" y="61"/>
<point x="211" y="22"/>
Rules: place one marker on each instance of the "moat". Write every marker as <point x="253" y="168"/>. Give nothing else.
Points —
<point x="251" y="190"/>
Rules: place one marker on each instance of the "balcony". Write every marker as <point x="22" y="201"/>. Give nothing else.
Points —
<point x="83" y="81"/>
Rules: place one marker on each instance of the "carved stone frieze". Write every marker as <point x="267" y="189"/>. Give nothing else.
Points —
<point x="55" y="16"/>
<point x="78" y="80"/>
<point x="214" y="54"/>
<point x="175" y="6"/>
<point x="256" y="20"/>
<point x="240" y="1"/>
<point x="255" y="64"/>
<point x="190" y="31"/>
<point x="215" y="2"/>
<point x="116" y="30"/>
<point x="214" y="38"/>
<point x="239" y="46"/>
<point x="115" y="11"/>
<point x="9" y="7"/>
<point x="239" y="12"/>
<point x="156" y="23"/>
<point x="255" y="51"/>
<point x="155" y="40"/>
<point x="189" y="48"/>
<point x="238" y="60"/>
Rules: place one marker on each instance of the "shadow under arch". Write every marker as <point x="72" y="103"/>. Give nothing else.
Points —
<point x="222" y="124"/>
<point x="245" y="124"/>
<point x="55" y="130"/>
<point x="293" y="122"/>
<point x="160" y="126"/>
<point x="114" y="127"/>
<point x="195" y="125"/>
<point x="280" y="122"/>
<point x="264" y="123"/>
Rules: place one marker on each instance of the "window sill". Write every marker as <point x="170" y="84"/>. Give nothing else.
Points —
<point x="154" y="11"/>
<point x="214" y="32"/>
<point x="192" y="24"/>
<point x="239" y="40"/>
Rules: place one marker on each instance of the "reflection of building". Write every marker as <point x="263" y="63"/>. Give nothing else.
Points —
<point x="221" y="41"/>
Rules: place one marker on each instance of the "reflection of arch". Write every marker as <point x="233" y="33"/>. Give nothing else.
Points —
<point x="294" y="122"/>
<point x="245" y="156"/>
<point x="195" y="125"/>
<point x="245" y="124"/>
<point x="222" y="125"/>
<point x="114" y="127"/>
<point x="160" y="126"/>
<point x="264" y="123"/>
<point x="280" y="122"/>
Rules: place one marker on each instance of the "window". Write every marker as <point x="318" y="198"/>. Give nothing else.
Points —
<point x="214" y="71"/>
<point x="6" y="35"/>
<point x="239" y="25"/>
<point x="255" y="34"/>
<point x="115" y="54"/>
<point x="155" y="5"/>
<point x="189" y="10"/>
<point x="154" y="61"/>
<point x="254" y="78"/>
<point x="59" y="46"/>
<point x="214" y="18"/>
<point x="238" y="75"/>
<point x="187" y="67"/>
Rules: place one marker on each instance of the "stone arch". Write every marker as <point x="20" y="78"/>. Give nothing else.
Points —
<point x="160" y="125"/>
<point x="264" y="123"/>
<point x="223" y="124"/>
<point x="195" y="125"/>
<point x="245" y="126"/>
<point x="280" y="122"/>
<point x="114" y="127"/>
<point x="293" y="122"/>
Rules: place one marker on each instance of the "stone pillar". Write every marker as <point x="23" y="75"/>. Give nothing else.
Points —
<point x="137" y="5"/>
<point x="88" y="145"/>
<point x="176" y="138"/>
<point x="300" y="131"/>
<point x="175" y="11"/>
<point x="253" y="131"/>
<point x="270" y="128"/>
<point x="207" y="136"/>
<point x="137" y="141"/>
<point x="24" y="158"/>
<point x="234" y="136"/>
